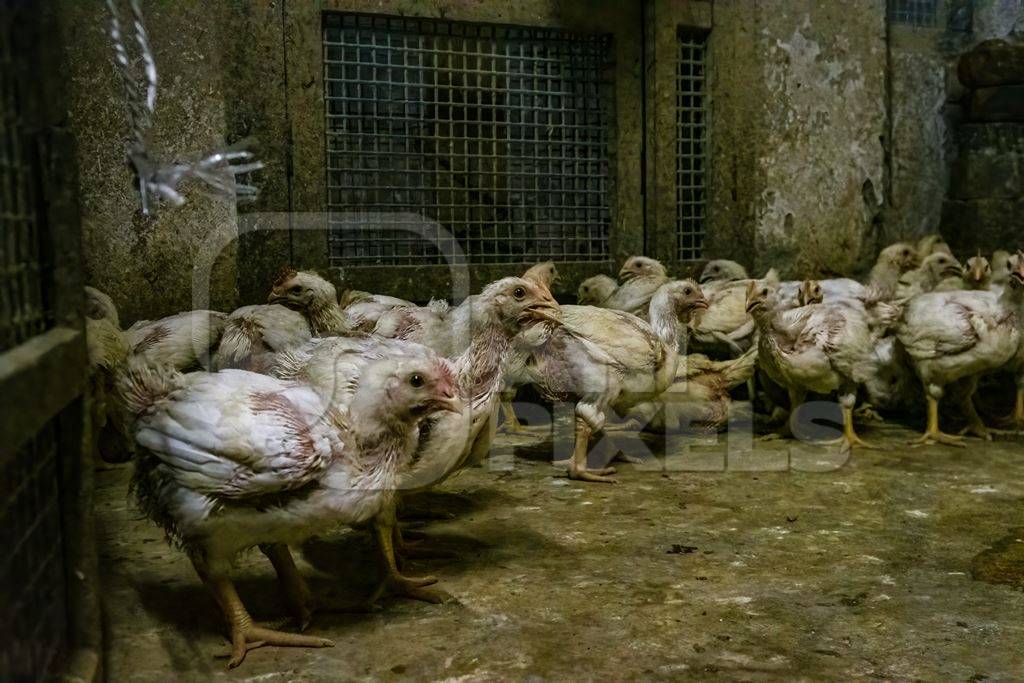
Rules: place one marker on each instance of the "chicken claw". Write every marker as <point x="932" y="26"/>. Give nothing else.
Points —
<point x="246" y="637"/>
<point x="597" y="475"/>
<point x="415" y="588"/>
<point x="937" y="437"/>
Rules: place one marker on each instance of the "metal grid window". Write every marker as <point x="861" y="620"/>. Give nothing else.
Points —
<point x="447" y="136"/>
<point x="34" y="627"/>
<point x="22" y="304"/>
<point x="920" y="13"/>
<point x="692" y="122"/>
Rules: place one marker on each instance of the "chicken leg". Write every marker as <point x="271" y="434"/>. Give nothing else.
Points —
<point x="244" y="633"/>
<point x="578" y="463"/>
<point x="394" y="581"/>
<point x="785" y="430"/>
<point x="296" y="592"/>
<point x="975" y="425"/>
<point x="511" y="423"/>
<point x="933" y="434"/>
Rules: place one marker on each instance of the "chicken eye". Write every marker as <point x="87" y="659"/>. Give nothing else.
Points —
<point x="688" y="291"/>
<point x="764" y="292"/>
<point x="519" y="293"/>
<point x="297" y="289"/>
<point x="416" y="381"/>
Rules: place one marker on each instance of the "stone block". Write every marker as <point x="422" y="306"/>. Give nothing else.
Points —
<point x="992" y="63"/>
<point x="989" y="163"/>
<point x="986" y="224"/>
<point x="997" y="104"/>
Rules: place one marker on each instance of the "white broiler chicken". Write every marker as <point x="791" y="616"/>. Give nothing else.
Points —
<point x="232" y="460"/>
<point x="699" y="398"/>
<point x="892" y="262"/>
<point x="185" y="341"/>
<point x="108" y="352"/>
<point x="301" y="305"/>
<point x="448" y="441"/>
<point x="449" y="331"/>
<point x="978" y="274"/>
<point x="722" y="270"/>
<point x="596" y="290"/>
<point x="787" y="293"/>
<point x="725" y="328"/>
<point x="639" y="278"/>
<point x="938" y="272"/>
<point x="958" y="336"/>
<point x="1001" y="263"/>
<point x="362" y="310"/>
<point x="932" y="244"/>
<point x="817" y="348"/>
<point x="604" y="359"/>
<point x="99" y="305"/>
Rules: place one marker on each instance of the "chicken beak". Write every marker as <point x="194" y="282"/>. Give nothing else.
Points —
<point x="954" y="270"/>
<point x="450" y="403"/>
<point x="544" y="310"/>
<point x="626" y="274"/>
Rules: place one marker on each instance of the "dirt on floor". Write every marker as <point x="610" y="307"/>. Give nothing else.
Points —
<point x="778" y="563"/>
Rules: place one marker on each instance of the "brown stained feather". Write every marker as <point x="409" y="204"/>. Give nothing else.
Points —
<point x="279" y="406"/>
<point x="407" y="325"/>
<point x="155" y="336"/>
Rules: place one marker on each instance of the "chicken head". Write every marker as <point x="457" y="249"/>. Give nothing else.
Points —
<point x="640" y="266"/>
<point x="595" y="290"/>
<point x="722" y="270"/>
<point x="544" y="273"/>
<point x="979" y="272"/>
<point x="302" y="290"/>
<point x="759" y="296"/>
<point x="902" y="256"/>
<point x="517" y="302"/>
<point x="941" y="265"/>
<point x="810" y="293"/>
<point x="408" y="387"/>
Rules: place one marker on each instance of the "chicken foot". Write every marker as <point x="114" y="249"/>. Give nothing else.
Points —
<point x="934" y="435"/>
<point x="245" y="634"/>
<point x="850" y="438"/>
<point x="975" y="425"/>
<point x="296" y="592"/>
<point x="394" y="580"/>
<point x="511" y="423"/>
<point x="578" y="463"/>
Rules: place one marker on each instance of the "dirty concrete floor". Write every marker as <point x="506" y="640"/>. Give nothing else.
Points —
<point x="897" y="564"/>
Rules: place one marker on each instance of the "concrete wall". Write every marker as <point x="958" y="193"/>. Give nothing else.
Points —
<point x="822" y="111"/>
<point x="832" y="132"/>
<point x="147" y="263"/>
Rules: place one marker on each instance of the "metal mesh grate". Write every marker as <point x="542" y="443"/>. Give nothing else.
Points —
<point x="446" y="136"/>
<point x="920" y="13"/>
<point x="691" y="144"/>
<point x="32" y="583"/>
<point x="22" y="304"/>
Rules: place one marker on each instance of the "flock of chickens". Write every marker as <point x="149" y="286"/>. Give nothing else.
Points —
<point x="275" y="422"/>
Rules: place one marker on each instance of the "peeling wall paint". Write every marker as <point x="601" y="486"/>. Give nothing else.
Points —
<point x="822" y="161"/>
